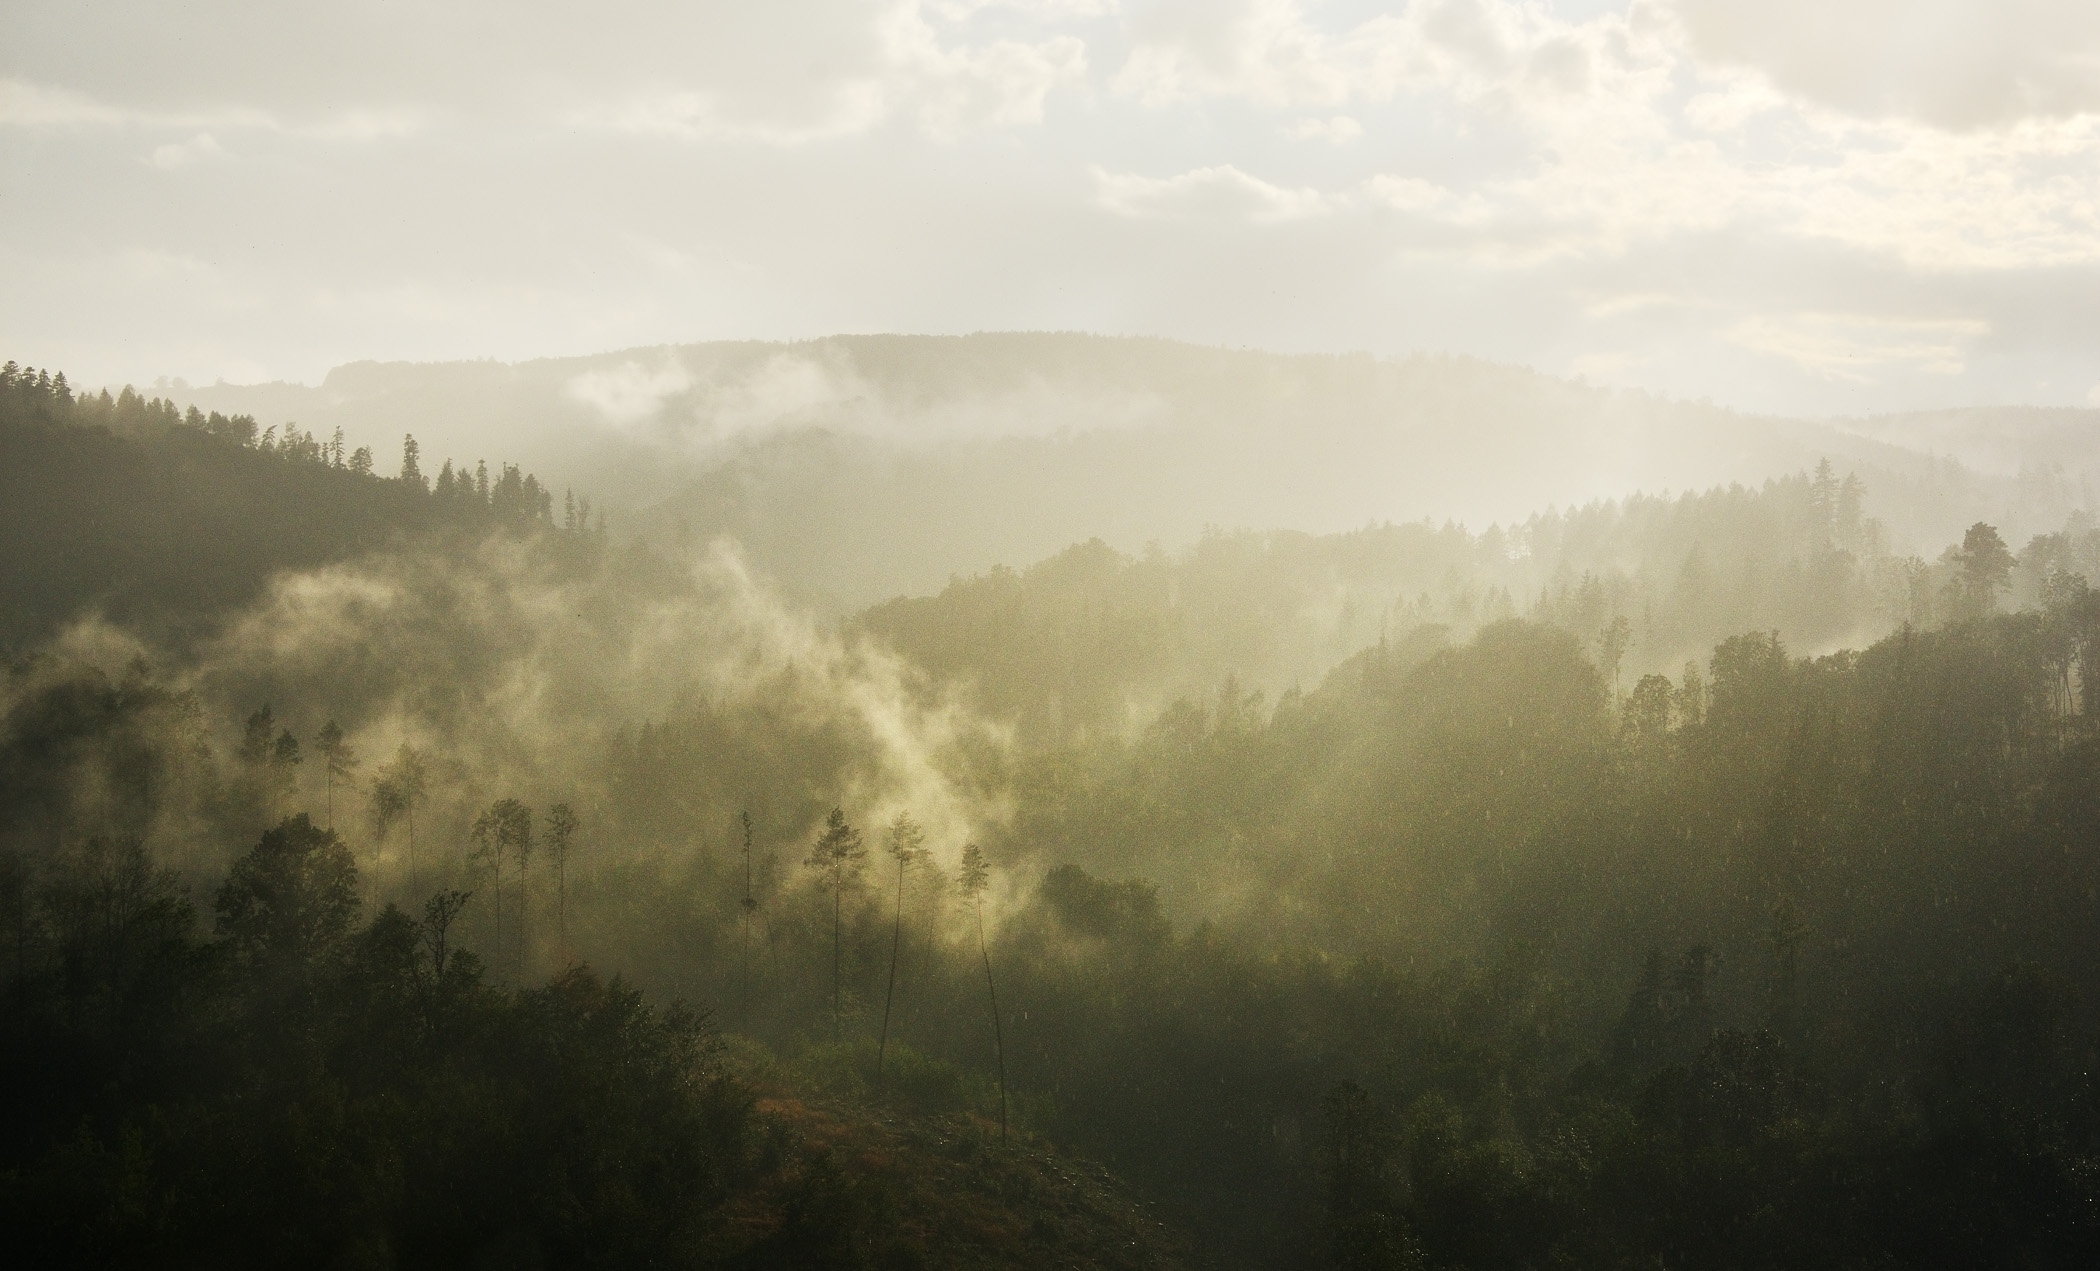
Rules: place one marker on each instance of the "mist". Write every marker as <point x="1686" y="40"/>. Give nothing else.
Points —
<point x="1268" y="636"/>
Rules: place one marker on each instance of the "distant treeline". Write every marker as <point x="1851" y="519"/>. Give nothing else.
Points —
<point x="1092" y="641"/>
<point x="163" y="518"/>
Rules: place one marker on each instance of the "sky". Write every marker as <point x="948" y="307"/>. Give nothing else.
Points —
<point x="1803" y="206"/>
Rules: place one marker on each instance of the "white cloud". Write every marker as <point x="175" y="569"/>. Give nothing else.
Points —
<point x="1950" y="63"/>
<point x="878" y="61"/>
<point x="28" y="105"/>
<point x="630" y="392"/>
<point x="1216" y="193"/>
<point x="1409" y="194"/>
<point x="181" y="154"/>
<point x="785" y="388"/>
<point x="1335" y="130"/>
<point x="25" y="105"/>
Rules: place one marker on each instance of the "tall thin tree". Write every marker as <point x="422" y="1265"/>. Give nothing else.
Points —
<point x="505" y="827"/>
<point x="488" y="848"/>
<point x="906" y="844"/>
<point x="974" y="877"/>
<point x="339" y="761"/>
<point x="396" y="790"/>
<point x="561" y="830"/>
<point x="837" y="858"/>
<point x="748" y="908"/>
<point x="519" y="822"/>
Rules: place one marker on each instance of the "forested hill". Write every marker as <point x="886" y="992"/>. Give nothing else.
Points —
<point x="164" y="519"/>
<point x="1093" y="640"/>
<point x="856" y="468"/>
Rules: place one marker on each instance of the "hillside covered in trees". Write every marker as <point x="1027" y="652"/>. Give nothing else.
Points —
<point x="167" y="518"/>
<point x="1690" y="881"/>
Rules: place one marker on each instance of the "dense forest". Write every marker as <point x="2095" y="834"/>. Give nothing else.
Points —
<point x="416" y="878"/>
<point x="167" y="518"/>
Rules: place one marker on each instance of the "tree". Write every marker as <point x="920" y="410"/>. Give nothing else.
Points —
<point x="507" y="824"/>
<point x="1986" y="566"/>
<point x="255" y="738"/>
<point x="561" y="830"/>
<point x="339" y="758"/>
<point x="411" y="460"/>
<point x="438" y="916"/>
<point x="837" y="858"/>
<point x="747" y="908"/>
<point x="1612" y="643"/>
<point x="273" y="760"/>
<point x="286" y="907"/>
<point x="974" y="877"/>
<point x="906" y="844"/>
<point x="396" y="790"/>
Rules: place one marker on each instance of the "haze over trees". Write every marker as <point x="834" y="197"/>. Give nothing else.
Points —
<point x="1701" y="880"/>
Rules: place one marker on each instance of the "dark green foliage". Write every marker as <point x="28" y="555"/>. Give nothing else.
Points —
<point x="309" y="1091"/>
<point x="164" y="520"/>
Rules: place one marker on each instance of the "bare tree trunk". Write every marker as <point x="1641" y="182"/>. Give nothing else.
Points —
<point x="496" y="886"/>
<point x="890" y="996"/>
<point x="836" y="901"/>
<point x="998" y="1036"/>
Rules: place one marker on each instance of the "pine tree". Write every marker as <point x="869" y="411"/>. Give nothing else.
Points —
<point x="561" y="831"/>
<point x="973" y="878"/>
<point x="505" y="826"/>
<point x="906" y="844"/>
<point x="748" y="908"/>
<point x="396" y="790"/>
<point x="837" y="858"/>
<point x="339" y="758"/>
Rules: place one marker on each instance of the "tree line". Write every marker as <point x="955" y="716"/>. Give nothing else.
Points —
<point x="164" y="519"/>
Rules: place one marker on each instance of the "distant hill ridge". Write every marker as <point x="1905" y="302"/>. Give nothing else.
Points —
<point x="858" y="467"/>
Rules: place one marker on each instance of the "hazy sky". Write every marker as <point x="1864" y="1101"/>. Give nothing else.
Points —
<point x="1803" y="205"/>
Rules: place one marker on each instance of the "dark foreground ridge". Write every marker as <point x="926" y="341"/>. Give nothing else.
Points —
<point x="865" y="1186"/>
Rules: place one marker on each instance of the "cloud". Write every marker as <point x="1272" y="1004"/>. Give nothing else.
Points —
<point x="28" y="105"/>
<point x="1949" y="63"/>
<point x="1336" y="130"/>
<point x="630" y="392"/>
<point x="786" y="388"/>
<point x="181" y="154"/>
<point x="1274" y="53"/>
<point x="887" y="61"/>
<point x="1222" y="193"/>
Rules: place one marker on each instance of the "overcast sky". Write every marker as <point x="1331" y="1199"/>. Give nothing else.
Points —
<point x="1802" y="205"/>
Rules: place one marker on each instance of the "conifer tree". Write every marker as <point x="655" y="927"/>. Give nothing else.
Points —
<point x="748" y="907"/>
<point x="837" y="858"/>
<point x="561" y="831"/>
<point x="505" y="827"/>
<point x="973" y="878"/>
<point x="339" y="758"/>
<point x="397" y="789"/>
<point x="906" y="844"/>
